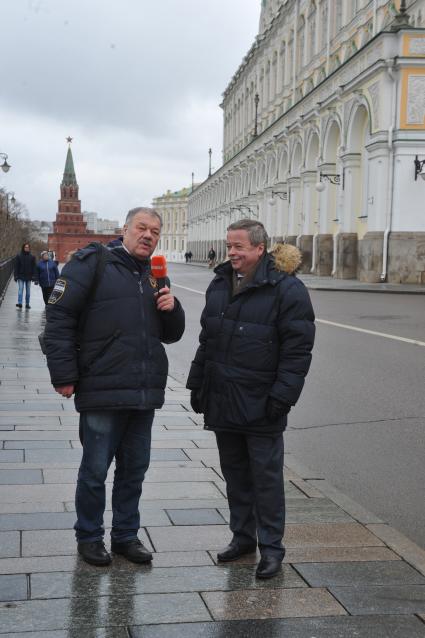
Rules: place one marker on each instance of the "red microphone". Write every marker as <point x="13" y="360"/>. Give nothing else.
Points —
<point x="159" y="269"/>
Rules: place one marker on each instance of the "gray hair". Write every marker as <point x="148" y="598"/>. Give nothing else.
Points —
<point x="256" y="232"/>
<point x="142" y="209"/>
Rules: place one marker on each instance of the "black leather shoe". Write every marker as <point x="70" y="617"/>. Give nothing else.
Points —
<point x="268" y="567"/>
<point x="235" y="551"/>
<point x="94" y="553"/>
<point x="18" y="305"/>
<point x="133" y="550"/>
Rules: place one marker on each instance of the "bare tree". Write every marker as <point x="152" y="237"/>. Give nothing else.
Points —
<point x="16" y="228"/>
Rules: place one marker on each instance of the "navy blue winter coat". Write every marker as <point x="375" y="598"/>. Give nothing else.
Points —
<point x="253" y="345"/>
<point x="47" y="273"/>
<point x="116" y="359"/>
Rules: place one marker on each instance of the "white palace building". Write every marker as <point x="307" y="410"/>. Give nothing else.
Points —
<point x="324" y="139"/>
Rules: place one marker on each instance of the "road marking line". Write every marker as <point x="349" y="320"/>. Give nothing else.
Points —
<point x="371" y="332"/>
<point x="342" y="325"/>
<point x="189" y="289"/>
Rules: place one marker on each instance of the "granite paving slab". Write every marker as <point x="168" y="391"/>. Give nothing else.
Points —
<point x="329" y="535"/>
<point x="150" y="580"/>
<point x="93" y="632"/>
<point x="359" y="574"/>
<point x="383" y="599"/>
<point x="66" y="520"/>
<point x="13" y="587"/>
<point x="31" y="507"/>
<point x="60" y="542"/>
<point x="154" y="475"/>
<point x="9" y="544"/>
<point x="11" y="456"/>
<point x="29" y="420"/>
<point x="272" y="603"/>
<point x="206" y="537"/>
<point x="196" y="517"/>
<point x="36" y="564"/>
<point x="209" y="457"/>
<point x="113" y="611"/>
<point x="20" y="477"/>
<point x="39" y="493"/>
<point x="338" y="627"/>
<point x="310" y="510"/>
<point x="38" y="444"/>
<point x="334" y="554"/>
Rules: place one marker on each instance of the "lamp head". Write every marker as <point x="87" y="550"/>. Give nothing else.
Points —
<point x="320" y="187"/>
<point x="5" y="167"/>
<point x="272" y="201"/>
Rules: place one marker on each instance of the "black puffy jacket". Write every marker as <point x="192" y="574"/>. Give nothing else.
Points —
<point x="254" y="345"/>
<point x="116" y="359"/>
<point x="24" y="267"/>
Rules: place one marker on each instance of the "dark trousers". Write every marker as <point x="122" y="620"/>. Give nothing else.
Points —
<point x="252" y="467"/>
<point x="105" y="434"/>
<point x="47" y="291"/>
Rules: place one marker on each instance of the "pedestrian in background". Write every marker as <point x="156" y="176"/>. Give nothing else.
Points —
<point x="211" y="258"/>
<point x="25" y="271"/>
<point x="47" y="273"/>
<point x="255" y="350"/>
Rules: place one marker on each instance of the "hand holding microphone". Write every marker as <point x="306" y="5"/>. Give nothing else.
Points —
<point x="165" y="300"/>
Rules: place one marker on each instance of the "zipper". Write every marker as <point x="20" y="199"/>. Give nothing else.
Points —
<point x="102" y="350"/>
<point x="143" y="340"/>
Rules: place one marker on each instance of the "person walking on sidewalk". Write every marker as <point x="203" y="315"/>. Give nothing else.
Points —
<point x="24" y="274"/>
<point x="254" y="353"/>
<point x="211" y="258"/>
<point x="47" y="273"/>
<point x="118" y="372"/>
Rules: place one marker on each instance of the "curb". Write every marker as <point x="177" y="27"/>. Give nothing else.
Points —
<point x="395" y="540"/>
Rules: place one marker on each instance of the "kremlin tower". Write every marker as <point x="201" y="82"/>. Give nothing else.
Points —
<point x="70" y="229"/>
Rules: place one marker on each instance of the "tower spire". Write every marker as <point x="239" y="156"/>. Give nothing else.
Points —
<point x="69" y="177"/>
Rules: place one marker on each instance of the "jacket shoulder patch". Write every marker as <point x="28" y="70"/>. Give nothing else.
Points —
<point x="58" y="291"/>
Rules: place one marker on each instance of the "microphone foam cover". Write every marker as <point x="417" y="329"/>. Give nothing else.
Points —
<point x="159" y="266"/>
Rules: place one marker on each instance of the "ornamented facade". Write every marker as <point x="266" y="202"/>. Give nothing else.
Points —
<point x="172" y="206"/>
<point x="329" y="162"/>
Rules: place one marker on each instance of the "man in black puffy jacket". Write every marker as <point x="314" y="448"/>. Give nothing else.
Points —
<point x="254" y="353"/>
<point x="110" y="354"/>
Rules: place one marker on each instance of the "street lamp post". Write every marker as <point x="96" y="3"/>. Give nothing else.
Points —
<point x="256" y="101"/>
<point x="5" y="167"/>
<point x="209" y="167"/>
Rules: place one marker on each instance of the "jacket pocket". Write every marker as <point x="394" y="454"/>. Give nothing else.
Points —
<point x="102" y="350"/>
<point x="246" y="404"/>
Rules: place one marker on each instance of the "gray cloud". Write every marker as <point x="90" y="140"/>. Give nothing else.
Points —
<point x="137" y="83"/>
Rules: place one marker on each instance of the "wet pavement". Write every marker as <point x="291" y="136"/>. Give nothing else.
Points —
<point x="346" y="573"/>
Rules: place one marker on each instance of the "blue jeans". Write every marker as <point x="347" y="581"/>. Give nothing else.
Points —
<point x="21" y="284"/>
<point x="105" y="434"/>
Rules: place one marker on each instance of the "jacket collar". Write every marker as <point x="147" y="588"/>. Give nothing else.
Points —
<point x="264" y="274"/>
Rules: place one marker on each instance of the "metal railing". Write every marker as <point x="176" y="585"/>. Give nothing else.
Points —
<point x="6" y="270"/>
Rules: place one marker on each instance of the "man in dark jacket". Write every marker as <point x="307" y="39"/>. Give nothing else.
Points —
<point x="254" y="353"/>
<point x="118" y="372"/>
<point x="24" y="274"/>
<point x="47" y="273"/>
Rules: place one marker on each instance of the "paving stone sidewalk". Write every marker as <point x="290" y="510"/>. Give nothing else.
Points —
<point x="346" y="574"/>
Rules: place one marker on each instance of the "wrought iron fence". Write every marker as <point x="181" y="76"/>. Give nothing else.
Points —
<point x="6" y="270"/>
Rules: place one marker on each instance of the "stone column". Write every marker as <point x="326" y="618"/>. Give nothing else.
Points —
<point x="294" y="200"/>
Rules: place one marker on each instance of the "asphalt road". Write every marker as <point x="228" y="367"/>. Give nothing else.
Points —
<point x="360" y="420"/>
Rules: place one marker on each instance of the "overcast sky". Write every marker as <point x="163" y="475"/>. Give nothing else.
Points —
<point x="136" y="83"/>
